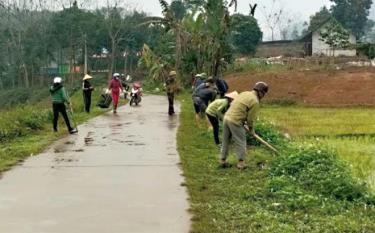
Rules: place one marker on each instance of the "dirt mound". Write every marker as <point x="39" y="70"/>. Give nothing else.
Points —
<point x="351" y="87"/>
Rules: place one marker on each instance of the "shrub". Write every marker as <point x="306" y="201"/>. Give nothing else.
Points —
<point x="33" y="119"/>
<point x="316" y="170"/>
<point x="267" y="131"/>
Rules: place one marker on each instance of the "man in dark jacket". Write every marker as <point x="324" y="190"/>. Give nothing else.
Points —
<point x="59" y="98"/>
<point x="202" y="96"/>
<point x="87" y="89"/>
<point x="222" y="86"/>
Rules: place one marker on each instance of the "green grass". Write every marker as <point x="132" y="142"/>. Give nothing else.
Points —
<point x="234" y="201"/>
<point x="309" y="121"/>
<point x="349" y="130"/>
<point x="27" y="130"/>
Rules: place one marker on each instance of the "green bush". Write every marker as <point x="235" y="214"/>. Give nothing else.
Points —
<point x="317" y="171"/>
<point x="33" y="119"/>
<point x="267" y="131"/>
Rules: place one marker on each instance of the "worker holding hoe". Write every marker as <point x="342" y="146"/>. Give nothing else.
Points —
<point x="216" y="110"/>
<point x="239" y="119"/>
<point x="59" y="98"/>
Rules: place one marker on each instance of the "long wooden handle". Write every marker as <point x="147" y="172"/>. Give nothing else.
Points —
<point x="257" y="137"/>
<point x="261" y="140"/>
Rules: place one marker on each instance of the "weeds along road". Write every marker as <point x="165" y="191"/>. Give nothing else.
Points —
<point x="119" y="174"/>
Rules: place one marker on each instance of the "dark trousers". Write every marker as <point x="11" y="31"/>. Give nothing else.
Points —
<point x="60" y="108"/>
<point x="170" y="103"/>
<point x="215" y="125"/>
<point x="87" y="100"/>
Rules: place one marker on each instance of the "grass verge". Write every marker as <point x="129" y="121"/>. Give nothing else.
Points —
<point x="265" y="198"/>
<point x="351" y="131"/>
<point x="27" y="130"/>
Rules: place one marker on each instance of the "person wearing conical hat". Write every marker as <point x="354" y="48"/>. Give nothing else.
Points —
<point x="87" y="89"/>
<point x="171" y="88"/>
<point x="216" y="110"/>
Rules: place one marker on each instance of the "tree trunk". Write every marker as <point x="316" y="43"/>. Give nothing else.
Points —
<point x="126" y="64"/>
<point x="1" y="83"/>
<point x="112" y="62"/>
<point x="26" y="76"/>
<point x="178" y="49"/>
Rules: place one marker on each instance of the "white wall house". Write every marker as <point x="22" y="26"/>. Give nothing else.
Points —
<point x="321" y="48"/>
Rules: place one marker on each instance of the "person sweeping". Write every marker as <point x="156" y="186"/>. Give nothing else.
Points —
<point x="216" y="110"/>
<point x="241" y="115"/>
<point x="59" y="98"/>
<point x="115" y="87"/>
<point x="87" y="89"/>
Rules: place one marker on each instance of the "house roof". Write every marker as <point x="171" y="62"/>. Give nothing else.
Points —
<point x="309" y="33"/>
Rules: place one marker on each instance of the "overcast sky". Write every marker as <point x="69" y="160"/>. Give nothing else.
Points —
<point x="298" y="11"/>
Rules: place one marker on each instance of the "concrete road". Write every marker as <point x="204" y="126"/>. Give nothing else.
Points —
<point x="120" y="174"/>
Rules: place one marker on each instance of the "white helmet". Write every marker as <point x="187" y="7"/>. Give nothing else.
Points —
<point x="57" y="80"/>
<point x="116" y="75"/>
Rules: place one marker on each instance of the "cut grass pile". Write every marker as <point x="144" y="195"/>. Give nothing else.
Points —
<point x="306" y="189"/>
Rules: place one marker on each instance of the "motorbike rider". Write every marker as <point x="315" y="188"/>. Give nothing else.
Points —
<point x="136" y="93"/>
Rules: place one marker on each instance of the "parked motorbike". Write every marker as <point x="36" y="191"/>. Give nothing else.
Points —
<point x="125" y="83"/>
<point x="136" y="94"/>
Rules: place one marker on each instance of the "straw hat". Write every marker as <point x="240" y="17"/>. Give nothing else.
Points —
<point x="87" y="77"/>
<point x="233" y="95"/>
<point x="202" y="75"/>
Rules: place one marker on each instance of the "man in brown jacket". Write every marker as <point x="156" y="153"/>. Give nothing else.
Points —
<point x="242" y="113"/>
<point x="171" y="86"/>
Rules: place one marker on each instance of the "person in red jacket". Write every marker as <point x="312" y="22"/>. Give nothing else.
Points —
<point x="116" y="87"/>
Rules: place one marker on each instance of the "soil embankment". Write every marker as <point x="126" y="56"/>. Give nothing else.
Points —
<point x="349" y="87"/>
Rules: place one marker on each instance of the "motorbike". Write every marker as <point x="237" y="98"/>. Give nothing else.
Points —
<point x="136" y="94"/>
<point x="125" y="84"/>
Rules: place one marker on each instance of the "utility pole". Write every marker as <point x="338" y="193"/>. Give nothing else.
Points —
<point x="85" y="67"/>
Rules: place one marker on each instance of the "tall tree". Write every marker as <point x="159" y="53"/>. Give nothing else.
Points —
<point x="352" y="14"/>
<point x="335" y="36"/>
<point x="319" y="18"/>
<point x="245" y="33"/>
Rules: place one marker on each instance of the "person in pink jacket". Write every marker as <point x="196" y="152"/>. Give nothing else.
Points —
<point x="115" y="87"/>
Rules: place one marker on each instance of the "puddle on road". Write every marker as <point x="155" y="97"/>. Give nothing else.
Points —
<point x="65" y="160"/>
<point x="139" y="144"/>
<point x="70" y="143"/>
<point x="79" y="150"/>
<point x="88" y="141"/>
<point x="58" y="150"/>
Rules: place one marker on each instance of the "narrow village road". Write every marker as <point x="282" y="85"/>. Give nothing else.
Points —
<point x="120" y="174"/>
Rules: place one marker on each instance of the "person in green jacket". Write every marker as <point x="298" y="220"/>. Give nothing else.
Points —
<point x="59" y="98"/>
<point x="215" y="112"/>
<point x="241" y="115"/>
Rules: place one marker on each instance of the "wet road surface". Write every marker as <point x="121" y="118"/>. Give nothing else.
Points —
<point x="119" y="174"/>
